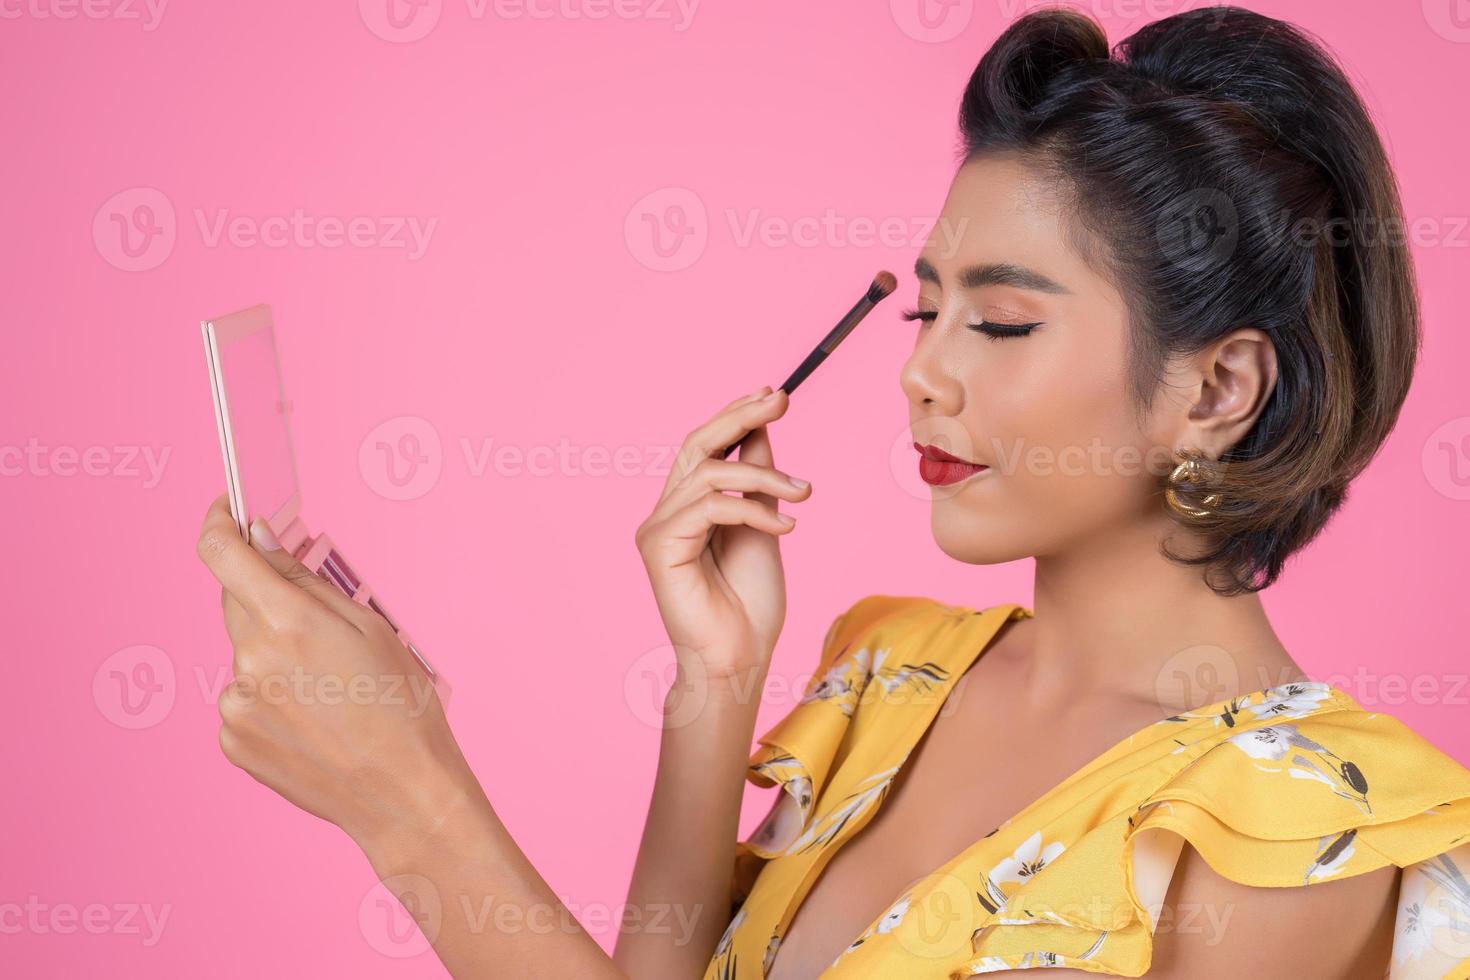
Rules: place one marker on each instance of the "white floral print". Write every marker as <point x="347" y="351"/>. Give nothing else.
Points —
<point x="1268" y="742"/>
<point x="922" y="676"/>
<point x="830" y="824"/>
<point x="1333" y="852"/>
<point x="841" y="683"/>
<point x="1029" y="859"/>
<point x="1296" y="700"/>
<point x="1271" y="743"/>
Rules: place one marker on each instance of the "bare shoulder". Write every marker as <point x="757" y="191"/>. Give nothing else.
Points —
<point x="1339" y="928"/>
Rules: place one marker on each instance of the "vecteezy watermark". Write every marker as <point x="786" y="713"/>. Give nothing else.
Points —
<point x="39" y="918"/>
<point x="1198" y="231"/>
<point x="1366" y="228"/>
<point x="149" y="13"/>
<point x="566" y="458"/>
<point x="1426" y="688"/>
<point x="943" y="913"/>
<point x="403" y="914"/>
<point x="406" y="21"/>
<point x="1195" y="676"/>
<point x="1446" y="458"/>
<point x="667" y="687"/>
<point x="668" y="229"/>
<point x="414" y="690"/>
<point x="134" y="688"/>
<point x="833" y="230"/>
<point x="33" y="459"/>
<point x="137" y="687"/>
<point x="1019" y="456"/>
<point x="1447" y="18"/>
<point x="136" y="230"/>
<point x="298" y="229"/>
<point x="932" y="21"/>
<point x="402" y="458"/>
<point x="1207" y="674"/>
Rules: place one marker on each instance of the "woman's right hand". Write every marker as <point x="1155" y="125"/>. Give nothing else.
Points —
<point x="713" y="558"/>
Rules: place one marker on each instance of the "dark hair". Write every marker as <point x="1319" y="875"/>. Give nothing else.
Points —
<point x="1195" y="152"/>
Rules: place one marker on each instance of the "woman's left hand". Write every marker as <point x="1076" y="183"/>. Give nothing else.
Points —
<point x="327" y="708"/>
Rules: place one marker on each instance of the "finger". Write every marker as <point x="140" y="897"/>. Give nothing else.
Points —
<point x="712" y="437"/>
<point x="741" y="476"/>
<point x="238" y="622"/>
<point x="680" y="470"/>
<point x="756" y="450"/>
<point x="241" y="569"/>
<point x="760" y="392"/>
<point x="694" y="521"/>
<point x="294" y="572"/>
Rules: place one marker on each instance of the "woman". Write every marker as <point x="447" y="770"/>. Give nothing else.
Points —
<point x="1174" y="255"/>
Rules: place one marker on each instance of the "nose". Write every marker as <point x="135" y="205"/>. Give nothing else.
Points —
<point x="928" y="379"/>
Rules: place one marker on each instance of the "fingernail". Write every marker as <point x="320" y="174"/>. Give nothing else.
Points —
<point x="771" y="396"/>
<point x="798" y="483"/>
<point x="786" y="519"/>
<point x="262" y="536"/>
<point x="757" y="392"/>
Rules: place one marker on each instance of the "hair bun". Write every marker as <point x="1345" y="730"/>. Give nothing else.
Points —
<point x="1024" y="62"/>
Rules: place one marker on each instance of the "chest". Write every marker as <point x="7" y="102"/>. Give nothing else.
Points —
<point x="977" y="765"/>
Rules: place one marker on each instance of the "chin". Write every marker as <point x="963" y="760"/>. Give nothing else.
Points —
<point x="974" y="538"/>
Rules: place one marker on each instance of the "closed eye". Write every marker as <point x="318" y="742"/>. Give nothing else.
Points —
<point x="995" y="331"/>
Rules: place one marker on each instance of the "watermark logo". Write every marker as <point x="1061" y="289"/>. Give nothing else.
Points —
<point x="661" y="695"/>
<point x="400" y="916"/>
<point x="667" y="229"/>
<point x="1450" y="19"/>
<point x="932" y="21"/>
<point x="400" y="21"/>
<point x="135" y="229"/>
<point x="401" y="458"/>
<point x="1196" y="676"/>
<point x="145" y="464"/>
<point x="1197" y="231"/>
<point x="405" y="21"/>
<point x="1446" y="458"/>
<point x="40" y="918"/>
<point x="147" y="12"/>
<point x="135" y="687"/>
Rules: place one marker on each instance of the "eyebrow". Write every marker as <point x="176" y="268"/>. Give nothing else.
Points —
<point x="993" y="274"/>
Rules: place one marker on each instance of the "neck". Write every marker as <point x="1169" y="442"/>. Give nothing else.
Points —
<point x="1116" y="619"/>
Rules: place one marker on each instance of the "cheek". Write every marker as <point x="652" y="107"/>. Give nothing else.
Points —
<point x="1059" y="401"/>
<point x="1065" y="421"/>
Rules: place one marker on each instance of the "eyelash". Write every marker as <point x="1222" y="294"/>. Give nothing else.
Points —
<point x="995" y="331"/>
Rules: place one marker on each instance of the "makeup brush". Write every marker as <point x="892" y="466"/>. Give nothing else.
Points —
<point x="883" y="284"/>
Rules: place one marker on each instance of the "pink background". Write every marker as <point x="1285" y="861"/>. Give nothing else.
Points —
<point x="540" y="314"/>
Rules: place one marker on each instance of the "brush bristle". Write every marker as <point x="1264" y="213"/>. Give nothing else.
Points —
<point x="883" y="283"/>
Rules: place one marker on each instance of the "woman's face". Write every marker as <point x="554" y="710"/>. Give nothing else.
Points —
<point x="1046" y="409"/>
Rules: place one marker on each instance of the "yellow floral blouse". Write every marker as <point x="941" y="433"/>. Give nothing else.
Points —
<point x="1283" y="787"/>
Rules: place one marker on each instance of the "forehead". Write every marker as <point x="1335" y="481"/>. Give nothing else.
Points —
<point x="1002" y="208"/>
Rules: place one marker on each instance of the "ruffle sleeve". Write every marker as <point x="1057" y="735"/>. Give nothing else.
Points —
<point x="798" y="753"/>
<point x="1300" y="800"/>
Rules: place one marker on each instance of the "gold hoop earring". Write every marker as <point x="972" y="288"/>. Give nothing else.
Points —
<point x="1187" y="472"/>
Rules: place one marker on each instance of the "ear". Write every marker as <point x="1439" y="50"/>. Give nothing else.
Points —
<point x="1229" y="384"/>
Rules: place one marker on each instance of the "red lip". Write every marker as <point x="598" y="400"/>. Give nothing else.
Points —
<point x="939" y="468"/>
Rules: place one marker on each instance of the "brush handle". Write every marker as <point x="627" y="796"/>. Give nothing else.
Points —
<point x="819" y="353"/>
